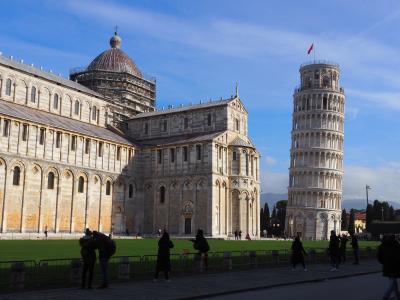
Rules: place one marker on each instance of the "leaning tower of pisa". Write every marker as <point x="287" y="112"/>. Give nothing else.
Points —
<point x="316" y="155"/>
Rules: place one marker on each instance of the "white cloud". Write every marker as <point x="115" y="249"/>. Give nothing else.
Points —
<point x="382" y="99"/>
<point x="270" y="161"/>
<point x="384" y="181"/>
<point x="352" y="112"/>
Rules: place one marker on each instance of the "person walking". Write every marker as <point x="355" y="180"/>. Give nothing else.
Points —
<point x="342" y="249"/>
<point x="354" y="245"/>
<point x="236" y="235"/>
<point x="333" y="250"/>
<point x="88" y="254"/>
<point x="200" y="244"/>
<point x="298" y="253"/>
<point x="240" y="234"/>
<point x="389" y="257"/>
<point x="107" y="248"/>
<point x="163" y="256"/>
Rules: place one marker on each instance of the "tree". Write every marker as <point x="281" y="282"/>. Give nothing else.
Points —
<point x="391" y="213"/>
<point x="281" y="214"/>
<point x="351" y="228"/>
<point x="262" y="220"/>
<point x="266" y="213"/>
<point x="345" y="224"/>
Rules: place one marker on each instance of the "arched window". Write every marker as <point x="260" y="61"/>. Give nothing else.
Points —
<point x="76" y="107"/>
<point x="237" y="124"/>
<point x="326" y="82"/>
<point x="50" y="181"/>
<point x="33" y="94"/>
<point x="16" y="175"/>
<point x="81" y="184"/>
<point x="8" y="87"/>
<point x="94" y="113"/>
<point x="108" y="188"/>
<point x="162" y="194"/>
<point x="55" y="101"/>
<point x="130" y="192"/>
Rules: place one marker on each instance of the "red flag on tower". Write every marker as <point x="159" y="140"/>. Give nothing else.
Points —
<point x="310" y="49"/>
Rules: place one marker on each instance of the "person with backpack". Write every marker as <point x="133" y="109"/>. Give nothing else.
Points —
<point x="88" y="254"/>
<point x="200" y="244"/>
<point x="342" y="248"/>
<point x="389" y="257"/>
<point x="107" y="248"/>
<point x="333" y="250"/>
<point x="298" y="253"/>
<point x="354" y="245"/>
<point x="163" y="256"/>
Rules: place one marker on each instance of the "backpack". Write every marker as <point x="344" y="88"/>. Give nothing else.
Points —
<point x="111" y="247"/>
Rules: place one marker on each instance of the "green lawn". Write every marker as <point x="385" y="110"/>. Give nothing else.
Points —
<point x="49" y="249"/>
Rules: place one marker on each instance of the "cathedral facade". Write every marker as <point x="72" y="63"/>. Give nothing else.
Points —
<point x="93" y="151"/>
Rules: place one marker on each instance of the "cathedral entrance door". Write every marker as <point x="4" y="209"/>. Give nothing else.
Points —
<point x="188" y="226"/>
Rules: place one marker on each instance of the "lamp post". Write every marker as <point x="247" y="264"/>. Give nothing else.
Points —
<point x="367" y="187"/>
<point x="367" y="216"/>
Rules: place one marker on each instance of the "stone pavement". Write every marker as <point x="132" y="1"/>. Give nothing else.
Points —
<point x="203" y="285"/>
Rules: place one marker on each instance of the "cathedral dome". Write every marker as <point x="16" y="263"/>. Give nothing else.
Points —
<point x="114" y="60"/>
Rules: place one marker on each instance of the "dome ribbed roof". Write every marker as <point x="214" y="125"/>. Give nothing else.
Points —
<point x="115" y="60"/>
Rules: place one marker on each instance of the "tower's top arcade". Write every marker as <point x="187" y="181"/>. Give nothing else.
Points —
<point x="320" y="75"/>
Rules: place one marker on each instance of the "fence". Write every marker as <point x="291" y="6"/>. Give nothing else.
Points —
<point x="57" y="273"/>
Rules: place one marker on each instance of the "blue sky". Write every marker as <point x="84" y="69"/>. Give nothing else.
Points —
<point x="197" y="50"/>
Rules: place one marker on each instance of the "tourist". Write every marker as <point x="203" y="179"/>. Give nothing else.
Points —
<point x="88" y="254"/>
<point x="240" y="234"/>
<point x="354" y="245"/>
<point x="107" y="248"/>
<point x="342" y="249"/>
<point x="127" y="232"/>
<point x="333" y="250"/>
<point x="298" y="253"/>
<point x="163" y="256"/>
<point x="45" y="232"/>
<point x="389" y="257"/>
<point x="248" y="237"/>
<point x="200" y="244"/>
<point x="236" y="235"/>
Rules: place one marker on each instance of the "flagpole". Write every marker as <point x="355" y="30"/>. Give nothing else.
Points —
<point x="314" y="51"/>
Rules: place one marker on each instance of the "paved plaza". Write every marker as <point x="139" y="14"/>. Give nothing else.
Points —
<point x="280" y="281"/>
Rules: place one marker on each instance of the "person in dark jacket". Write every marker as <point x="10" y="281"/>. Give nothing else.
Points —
<point x="342" y="248"/>
<point x="298" y="253"/>
<point x="201" y="245"/>
<point x="333" y="250"/>
<point x="389" y="257"/>
<point x="163" y="256"/>
<point x="88" y="254"/>
<point x="102" y="244"/>
<point x="354" y="245"/>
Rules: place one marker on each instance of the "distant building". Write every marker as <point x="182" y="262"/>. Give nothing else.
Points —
<point x="93" y="152"/>
<point x="360" y="221"/>
<point x="316" y="155"/>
